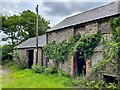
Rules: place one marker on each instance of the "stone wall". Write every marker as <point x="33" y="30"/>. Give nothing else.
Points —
<point x="24" y="57"/>
<point x="60" y="35"/>
<point x="111" y="68"/>
<point x="91" y="27"/>
<point x="97" y="55"/>
<point x="65" y="66"/>
<point x="80" y="30"/>
<point x="40" y="56"/>
<point x="104" y="26"/>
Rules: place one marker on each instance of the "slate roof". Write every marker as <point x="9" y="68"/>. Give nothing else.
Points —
<point x="93" y="14"/>
<point x="31" y="42"/>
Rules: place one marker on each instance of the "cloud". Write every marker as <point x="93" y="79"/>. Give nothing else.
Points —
<point x="53" y="11"/>
<point x="68" y="8"/>
<point x="9" y="8"/>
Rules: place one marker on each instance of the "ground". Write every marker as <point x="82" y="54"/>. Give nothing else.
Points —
<point x="28" y="79"/>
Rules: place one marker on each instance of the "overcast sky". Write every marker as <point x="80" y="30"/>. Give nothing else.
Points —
<point x="52" y="11"/>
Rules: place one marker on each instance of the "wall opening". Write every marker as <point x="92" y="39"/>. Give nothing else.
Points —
<point x="80" y="65"/>
<point x="30" y="58"/>
<point x="110" y="79"/>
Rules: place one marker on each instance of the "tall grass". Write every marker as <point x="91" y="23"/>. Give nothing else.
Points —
<point x="28" y="79"/>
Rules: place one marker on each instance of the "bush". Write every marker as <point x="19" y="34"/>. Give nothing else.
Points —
<point x="8" y="63"/>
<point x="6" y="53"/>
<point x="38" y="68"/>
<point x="51" y="70"/>
<point x="64" y="73"/>
<point x="84" y="83"/>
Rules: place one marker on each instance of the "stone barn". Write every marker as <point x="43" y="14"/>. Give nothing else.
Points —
<point x="27" y="51"/>
<point x="86" y="22"/>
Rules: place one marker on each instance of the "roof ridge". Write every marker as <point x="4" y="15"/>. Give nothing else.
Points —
<point x="108" y="9"/>
<point x="91" y="9"/>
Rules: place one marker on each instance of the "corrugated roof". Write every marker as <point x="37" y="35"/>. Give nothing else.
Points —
<point x="31" y="42"/>
<point x="94" y="14"/>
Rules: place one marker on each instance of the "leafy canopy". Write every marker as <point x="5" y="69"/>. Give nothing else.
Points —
<point x="23" y="26"/>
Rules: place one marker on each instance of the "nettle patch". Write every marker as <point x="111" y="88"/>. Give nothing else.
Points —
<point x="63" y="51"/>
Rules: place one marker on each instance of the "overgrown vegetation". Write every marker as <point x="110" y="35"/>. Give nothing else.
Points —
<point x="87" y="43"/>
<point x="6" y="53"/>
<point x="52" y="77"/>
<point x="19" y="28"/>
<point x="60" y="51"/>
<point x="29" y="79"/>
<point x="82" y="82"/>
<point x="83" y="44"/>
<point x="111" y="50"/>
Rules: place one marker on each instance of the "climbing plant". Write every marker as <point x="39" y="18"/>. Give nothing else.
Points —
<point x="86" y="44"/>
<point x="111" y="49"/>
<point x="83" y="44"/>
<point x="59" y="51"/>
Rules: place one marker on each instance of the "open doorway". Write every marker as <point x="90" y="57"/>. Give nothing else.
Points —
<point x="110" y="79"/>
<point x="30" y="58"/>
<point x="80" y="65"/>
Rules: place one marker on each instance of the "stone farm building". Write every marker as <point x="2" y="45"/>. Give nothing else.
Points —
<point x="83" y="23"/>
<point x="27" y="51"/>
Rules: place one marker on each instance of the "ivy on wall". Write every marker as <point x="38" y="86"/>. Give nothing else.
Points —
<point x="83" y="44"/>
<point x="111" y="50"/>
<point x="59" y="51"/>
<point x="86" y="44"/>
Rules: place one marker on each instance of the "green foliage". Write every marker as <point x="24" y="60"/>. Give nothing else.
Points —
<point x="6" y="53"/>
<point x="29" y="79"/>
<point x="28" y="22"/>
<point x="37" y="68"/>
<point x="64" y="73"/>
<point x="62" y="51"/>
<point x="21" y="63"/>
<point x="111" y="51"/>
<point x="51" y="70"/>
<point x="82" y="82"/>
<point x="87" y="44"/>
<point x="10" y="27"/>
<point x="115" y="28"/>
<point x="23" y="26"/>
<point x="20" y="27"/>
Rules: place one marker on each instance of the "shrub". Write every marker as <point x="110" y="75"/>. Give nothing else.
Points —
<point x="38" y="68"/>
<point x="51" y="70"/>
<point x="64" y="73"/>
<point x="7" y="53"/>
<point x="8" y="63"/>
<point x="84" y="83"/>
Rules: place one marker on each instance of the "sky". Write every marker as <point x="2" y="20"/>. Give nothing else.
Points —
<point x="54" y="11"/>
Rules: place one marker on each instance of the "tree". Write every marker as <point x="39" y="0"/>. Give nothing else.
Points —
<point x="28" y="21"/>
<point x="10" y="28"/>
<point x="21" y="27"/>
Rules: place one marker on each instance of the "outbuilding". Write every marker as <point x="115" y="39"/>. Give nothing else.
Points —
<point x="27" y="51"/>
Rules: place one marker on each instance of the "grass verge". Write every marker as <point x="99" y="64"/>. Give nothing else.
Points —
<point x="28" y="79"/>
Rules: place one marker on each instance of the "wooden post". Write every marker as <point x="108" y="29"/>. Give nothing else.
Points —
<point x="37" y="35"/>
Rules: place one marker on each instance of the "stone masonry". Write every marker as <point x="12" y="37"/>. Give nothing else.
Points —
<point x="61" y="35"/>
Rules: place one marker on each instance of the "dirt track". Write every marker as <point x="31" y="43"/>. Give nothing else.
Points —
<point x="3" y="71"/>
